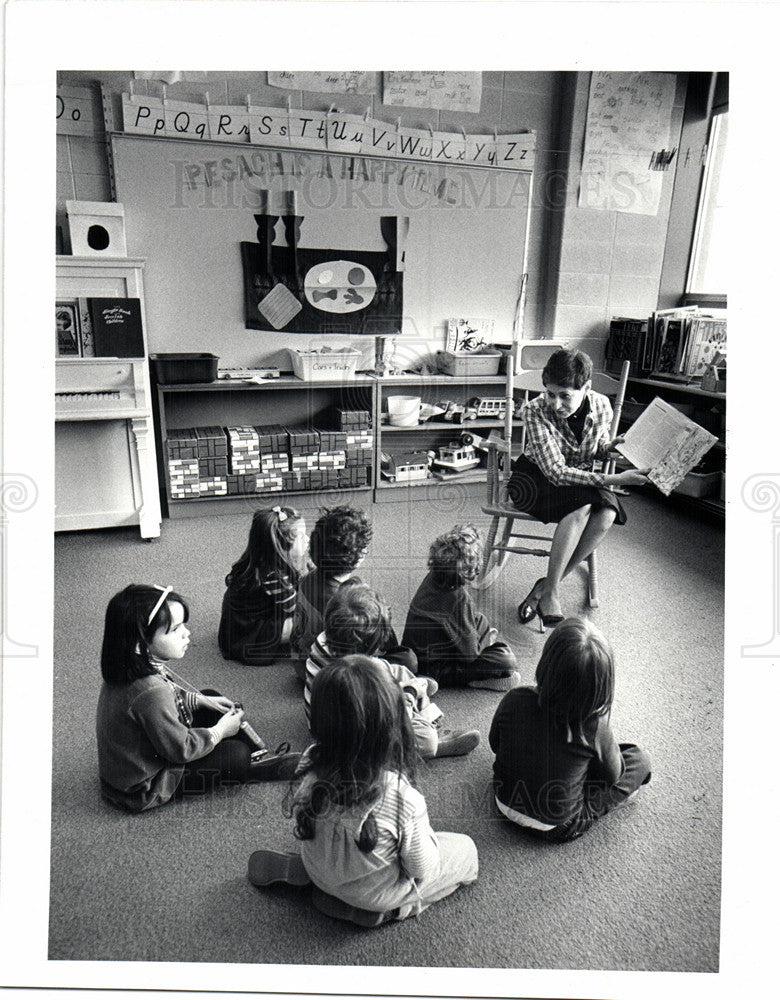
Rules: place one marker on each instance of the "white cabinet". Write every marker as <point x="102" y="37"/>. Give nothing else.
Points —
<point x="106" y="466"/>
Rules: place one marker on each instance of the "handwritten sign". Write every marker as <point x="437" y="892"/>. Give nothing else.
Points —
<point x="628" y="124"/>
<point x="333" y="81"/>
<point x="319" y="131"/>
<point x="444" y="90"/>
<point x="76" y="110"/>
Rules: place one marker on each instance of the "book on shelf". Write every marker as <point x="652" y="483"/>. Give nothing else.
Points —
<point x="684" y="341"/>
<point x="667" y="443"/>
<point x="706" y="339"/>
<point x="116" y="328"/>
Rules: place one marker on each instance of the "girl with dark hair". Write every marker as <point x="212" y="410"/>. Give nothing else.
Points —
<point x="558" y="767"/>
<point x="157" y="736"/>
<point x="262" y="589"/>
<point x="366" y="840"/>
<point x="567" y="430"/>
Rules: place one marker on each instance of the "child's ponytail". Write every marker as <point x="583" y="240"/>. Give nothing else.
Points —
<point x="268" y="548"/>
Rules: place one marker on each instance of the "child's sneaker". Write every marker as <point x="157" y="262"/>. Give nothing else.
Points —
<point x="334" y="907"/>
<point x="280" y="765"/>
<point x="267" y="867"/>
<point x="498" y="683"/>
<point x="455" y="744"/>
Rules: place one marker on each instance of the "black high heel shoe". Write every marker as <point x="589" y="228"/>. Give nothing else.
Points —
<point x="528" y="609"/>
<point x="548" y="621"/>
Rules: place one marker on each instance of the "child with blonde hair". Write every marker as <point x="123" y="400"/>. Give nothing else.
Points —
<point x="453" y="641"/>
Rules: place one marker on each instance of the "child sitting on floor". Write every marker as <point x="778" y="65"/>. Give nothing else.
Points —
<point x="366" y="840"/>
<point x="337" y="546"/>
<point x="453" y="641"/>
<point x="262" y="589"/>
<point x="158" y="737"/>
<point x="358" y="621"/>
<point x="558" y="767"/>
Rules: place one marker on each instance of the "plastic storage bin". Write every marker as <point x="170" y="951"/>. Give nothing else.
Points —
<point x="318" y="366"/>
<point x="403" y="411"/>
<point x="172" y="368"/>
<point x="478" y="363"/>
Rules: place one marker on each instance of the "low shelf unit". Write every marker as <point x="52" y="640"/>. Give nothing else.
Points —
<point x="284" y="402"/>
<point x="433" y="434"/>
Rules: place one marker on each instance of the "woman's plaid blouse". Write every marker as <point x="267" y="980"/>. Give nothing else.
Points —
<point x="551" y="444"/>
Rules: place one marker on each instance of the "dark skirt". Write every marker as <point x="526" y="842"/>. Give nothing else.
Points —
<point x="533" y="493"/>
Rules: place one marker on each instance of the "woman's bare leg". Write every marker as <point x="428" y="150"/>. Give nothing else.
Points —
<point x="565" y="542"/>
<point x="599" y="523"/>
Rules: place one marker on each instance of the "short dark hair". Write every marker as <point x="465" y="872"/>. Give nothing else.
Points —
<point x="569" y="369"/>
<point x="127" y="632"/>
<point x="357" y="620"/>
<point x="455" y="556"/>
<point x="339" y="539"/>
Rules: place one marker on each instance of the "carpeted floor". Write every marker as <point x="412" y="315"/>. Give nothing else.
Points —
<point x="641" y="891"/>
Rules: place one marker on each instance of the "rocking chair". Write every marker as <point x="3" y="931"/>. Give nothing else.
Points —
<point x="498" y="544"/>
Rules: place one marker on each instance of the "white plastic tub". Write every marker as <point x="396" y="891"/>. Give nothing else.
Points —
<point x="403" y="411"/>
<point x="323" y="366"/>
<point x="478" y="363"/>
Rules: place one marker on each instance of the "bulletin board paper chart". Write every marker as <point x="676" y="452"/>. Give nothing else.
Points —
<point x="189" y="206"/>
<point x="629" y="119"/>
<point x="333" y="81"/>
<point x="443" y="90"/>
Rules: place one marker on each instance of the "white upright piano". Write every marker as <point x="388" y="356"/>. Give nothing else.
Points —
<point x="106" y="468"/>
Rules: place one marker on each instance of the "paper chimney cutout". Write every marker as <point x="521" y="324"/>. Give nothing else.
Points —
<point x="313" y="290"/>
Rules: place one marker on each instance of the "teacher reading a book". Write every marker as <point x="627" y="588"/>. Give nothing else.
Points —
<point x="567" y="430"/>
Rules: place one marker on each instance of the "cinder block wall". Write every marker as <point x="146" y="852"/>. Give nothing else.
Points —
<point x="584" y="266"/>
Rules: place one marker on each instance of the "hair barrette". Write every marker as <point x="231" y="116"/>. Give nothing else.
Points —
<point x="280" y="513"/>
<point x="161" y="601"/>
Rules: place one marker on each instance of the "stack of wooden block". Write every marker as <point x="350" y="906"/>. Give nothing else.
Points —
<point x="183" y="469"/>
<point x="212" y="461"/>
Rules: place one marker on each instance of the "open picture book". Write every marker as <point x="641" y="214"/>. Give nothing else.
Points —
<point x="667" y="442"/>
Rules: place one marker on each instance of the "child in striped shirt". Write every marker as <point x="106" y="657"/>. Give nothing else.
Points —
<point x="358" y="621"/>
<point x="366" y="840"/>
<point x="262" y="589"/>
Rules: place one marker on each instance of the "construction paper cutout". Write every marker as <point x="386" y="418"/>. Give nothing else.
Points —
<point x="337" y="294"/>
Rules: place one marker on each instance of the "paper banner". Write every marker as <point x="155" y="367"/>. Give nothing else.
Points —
<point x="445" y="90"/>
<point x="628" y="124"/>
<point x="334" y="81"/>
<point x="319" y="131"/>
<point x="76" y="111"/>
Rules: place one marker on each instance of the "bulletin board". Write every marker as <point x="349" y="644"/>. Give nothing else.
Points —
<point x="189" y="205"/>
